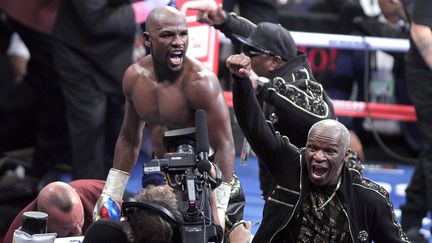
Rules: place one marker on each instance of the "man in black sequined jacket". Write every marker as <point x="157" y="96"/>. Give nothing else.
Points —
<point x="317" y="198"/>
<point x="274" y="54"/>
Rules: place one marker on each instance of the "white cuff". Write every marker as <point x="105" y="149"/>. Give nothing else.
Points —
<point x="116" y="184"/>
<point x="223" y="193"/>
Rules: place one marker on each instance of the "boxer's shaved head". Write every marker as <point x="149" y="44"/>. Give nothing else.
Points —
<point x="157" y="17"/>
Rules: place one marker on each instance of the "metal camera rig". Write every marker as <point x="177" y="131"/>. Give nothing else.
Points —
<point x="186" y="167"/>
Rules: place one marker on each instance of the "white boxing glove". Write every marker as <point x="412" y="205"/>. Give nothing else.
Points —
<point x="109" y="202"/>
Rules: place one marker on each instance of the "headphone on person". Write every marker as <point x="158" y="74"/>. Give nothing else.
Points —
<point x="129" y="208"/>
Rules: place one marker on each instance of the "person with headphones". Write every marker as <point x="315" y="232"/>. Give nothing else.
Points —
<point x="154" y="215"/>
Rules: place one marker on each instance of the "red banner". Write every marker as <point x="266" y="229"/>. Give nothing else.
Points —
<point x="203" y="39"/>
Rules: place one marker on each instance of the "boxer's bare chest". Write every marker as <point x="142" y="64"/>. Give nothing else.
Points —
<point x="163" y="104"/>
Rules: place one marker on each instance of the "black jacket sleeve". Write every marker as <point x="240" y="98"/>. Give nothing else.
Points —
<point x="236" y="25"/>
<point x="265" y="142"/>
<point x="384" y="227"/>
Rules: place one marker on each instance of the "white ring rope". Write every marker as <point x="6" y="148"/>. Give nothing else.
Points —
<point x="345" y="41"/>
<point x="350" y="41"/>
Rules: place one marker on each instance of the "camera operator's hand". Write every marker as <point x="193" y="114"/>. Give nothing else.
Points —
<point x="209" y="12"/>
<point x="215" y="172"/>
<point x="239" y="65"/>
<point x="109" y="202"/>
<point x="241" y="233"/>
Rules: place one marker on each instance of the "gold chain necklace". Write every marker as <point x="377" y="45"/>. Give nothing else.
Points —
<point x="332" y="195"/>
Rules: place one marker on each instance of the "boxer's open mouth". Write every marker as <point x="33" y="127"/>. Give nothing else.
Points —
<point x="176" y="57"/>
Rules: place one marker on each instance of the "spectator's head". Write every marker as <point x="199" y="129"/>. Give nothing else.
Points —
<point x="326" y="151"/>
<point x="166" y="35"/>
<point x="392" y="10"/>
<point x="64" y="208"/>
<point x="154" y="215"/>
<point x="268" y="46"/>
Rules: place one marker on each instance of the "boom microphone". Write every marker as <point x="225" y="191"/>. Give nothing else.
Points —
<point x="204" y="166"/>
<point x="202" y="142"/>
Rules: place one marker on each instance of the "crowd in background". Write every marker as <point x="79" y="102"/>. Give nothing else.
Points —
<point x="62" y="62"/>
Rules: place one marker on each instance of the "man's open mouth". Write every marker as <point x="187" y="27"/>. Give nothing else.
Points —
<point x="319" y="170"/>
<point x="176" y="57"/>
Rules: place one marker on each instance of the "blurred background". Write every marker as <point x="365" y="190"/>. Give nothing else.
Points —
<point x="351" y="70"/>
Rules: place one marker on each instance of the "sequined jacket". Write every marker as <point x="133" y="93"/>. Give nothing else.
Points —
<point x="366" y="205"/>
<point x="276" y="108"/>
<point x="288" y="119"/>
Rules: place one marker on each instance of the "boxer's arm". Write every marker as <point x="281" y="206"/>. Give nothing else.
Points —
<point x="129" y="140"/>
<point x="220" y="137"/>
<point x="125" y="156"/>
<point x="220" y="134"/>
<point x="206" y="93"/>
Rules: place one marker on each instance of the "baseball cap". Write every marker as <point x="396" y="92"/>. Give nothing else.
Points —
<point x="270" y="38"/>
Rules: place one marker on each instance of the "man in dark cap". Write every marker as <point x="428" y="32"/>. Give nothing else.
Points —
<point x="273" y="54"/>
<point x="271" y="39"/>
<point x="281" y="75"/>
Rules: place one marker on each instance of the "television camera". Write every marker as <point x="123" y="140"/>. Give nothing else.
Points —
<point x="187" y="167"/>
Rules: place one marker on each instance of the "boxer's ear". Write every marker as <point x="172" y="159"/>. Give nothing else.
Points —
<point x="146" y="39"/>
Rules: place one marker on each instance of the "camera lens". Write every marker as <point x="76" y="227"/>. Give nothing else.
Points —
<point x="34" y="222"/>
<point x="185" y="149"/>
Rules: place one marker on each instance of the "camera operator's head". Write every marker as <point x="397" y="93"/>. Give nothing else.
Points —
<point x="64" y="208"/>
<point x="154" y="215"/>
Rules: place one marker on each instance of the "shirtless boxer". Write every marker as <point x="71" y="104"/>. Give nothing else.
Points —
<point x="162" y="92"/>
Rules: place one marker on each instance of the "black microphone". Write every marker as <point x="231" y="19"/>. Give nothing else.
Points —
<point x="202" y="142"/>
<point x="204" y="166"/>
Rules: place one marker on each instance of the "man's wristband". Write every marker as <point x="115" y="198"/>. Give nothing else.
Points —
<point x="116" y="184"/>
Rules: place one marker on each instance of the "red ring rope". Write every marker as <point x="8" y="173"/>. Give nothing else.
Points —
<point x="361" y="109"/>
